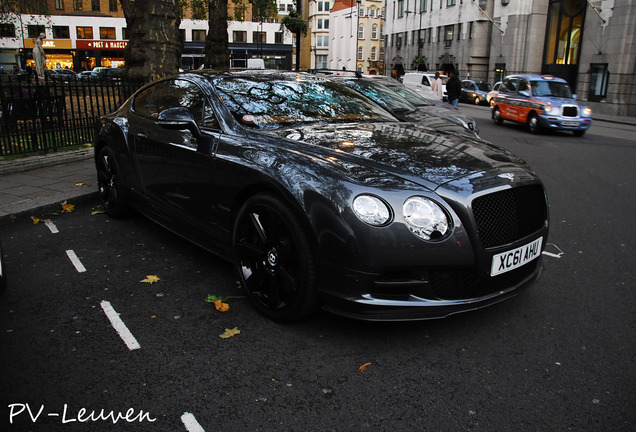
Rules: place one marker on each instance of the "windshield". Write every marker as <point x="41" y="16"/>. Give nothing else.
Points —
<point x="267" y="101"/>
<point x="381" y="94"/>
<point x="410" y="95"/>
<point x="483" y="87"/>
<point x="551" y="88"/>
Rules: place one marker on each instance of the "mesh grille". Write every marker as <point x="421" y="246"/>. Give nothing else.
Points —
<point x="506" y="216"/>
<point x="570" y="111"/>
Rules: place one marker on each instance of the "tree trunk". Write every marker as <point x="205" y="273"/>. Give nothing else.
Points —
<point x="154" y="45"/>
<point x="216" y="42"/>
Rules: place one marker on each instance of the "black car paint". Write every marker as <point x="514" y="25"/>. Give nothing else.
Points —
<point x="316" y="171"/>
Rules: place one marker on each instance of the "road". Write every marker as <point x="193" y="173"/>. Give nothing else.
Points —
<point x="558" y="357"/>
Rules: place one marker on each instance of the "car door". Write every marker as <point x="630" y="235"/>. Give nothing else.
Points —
<point x="507" y="101"/>
<point x="178" y="169"/>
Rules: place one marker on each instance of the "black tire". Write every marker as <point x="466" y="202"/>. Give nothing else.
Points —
<point x="578" y="133"/>
<point x="477" y="100"/>
<point x="533" y="124"/>
<point x="496" y="116"/>
<point x="110" y="185"/>
<point x="275" y="259"/>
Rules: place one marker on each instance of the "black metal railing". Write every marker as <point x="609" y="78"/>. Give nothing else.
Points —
<point x="40" y="117"/>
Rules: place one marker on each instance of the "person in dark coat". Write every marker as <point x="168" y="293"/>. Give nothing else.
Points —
<point x="453" y="89"/>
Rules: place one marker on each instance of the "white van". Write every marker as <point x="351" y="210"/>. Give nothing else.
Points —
<point x="421" y="82"/>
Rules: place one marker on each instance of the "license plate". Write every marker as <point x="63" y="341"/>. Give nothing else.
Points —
<point x="506" y="261"/>
<point x="570" y="123"/>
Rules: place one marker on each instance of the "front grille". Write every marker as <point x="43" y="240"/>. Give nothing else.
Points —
<point x="507" y="216"/>
<point x="570" y="111"/>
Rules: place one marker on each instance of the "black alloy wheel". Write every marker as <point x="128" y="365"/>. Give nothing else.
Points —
<point x="275" y="259"/>
<point x="109" y="184"/>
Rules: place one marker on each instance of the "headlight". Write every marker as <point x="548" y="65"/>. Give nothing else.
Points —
<point x="587" y="111"/>
<point x="547" y="108"/>
<point x="425" y="218"/>
<point x="371" y="210"/>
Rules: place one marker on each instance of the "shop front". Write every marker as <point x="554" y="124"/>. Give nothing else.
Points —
<point x="93" y="53"/>
<point x="58" y="53"/>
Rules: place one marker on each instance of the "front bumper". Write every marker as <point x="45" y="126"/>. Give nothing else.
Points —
<point x="565" y="123"/>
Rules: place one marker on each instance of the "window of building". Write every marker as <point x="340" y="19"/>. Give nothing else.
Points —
<point x="124" y="34"/>
<point x="398" y="42"/>
<point x="471" y="30"/>
<point x="84" y="32"/>
<point x="113" y="5"/>
<point x="565" y="25"/>
<point x="59" y="4"/>
<point x="374" y="53"/>
<point x="33" y="30"/>
<point x="361" y="32"/>
<point x="320" y="26"/>
<point x="400" y="8"/>
<point x="451" y="3"/>
<point x="107" y="33"/>
<point x="61" y="32"/>
<point x="372" y="12"/>
<point x="459" y="31"/>
<point x="360" y="53"/>
<point x="374" y="32"/>
<point x="239" y="36"/>
<point x="7" y="30"/>
<point x="599" y="81"/>
<point x="278" y="37"/>
<point x="78" y="5"/>
<point x="361" y="9"/>
<point x="95" y="5"/>
<point x="321" y="62"/>
<point x="423" y="5"/>
<point x="259" y="37"/>
<point x="381" y="52"/>
<point x="290" y="7"/>
<point x="422" y="36"/>
<point x="198" y="35"/>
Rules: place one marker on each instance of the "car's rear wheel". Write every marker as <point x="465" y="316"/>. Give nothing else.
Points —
<point x="533" y="124"/>
<point x="109" y="183"/>
<point x="496" y="116"/>
<point x="275" y="259"/>
<point x="578" y="133"/>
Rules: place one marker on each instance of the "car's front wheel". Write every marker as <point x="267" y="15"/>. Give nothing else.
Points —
<point x="496" y="116"/>
<point x="533" y="124"/>
<point x="109" y="183"/>
<point x="275" y="259"/>
<point x="477" y="100"/>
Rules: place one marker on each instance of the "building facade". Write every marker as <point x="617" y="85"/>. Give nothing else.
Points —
<point x="587" y="42"/>
<point x="83" y="35"/>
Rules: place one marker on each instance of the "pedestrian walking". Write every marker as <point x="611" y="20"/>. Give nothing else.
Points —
<point x="453" y="89"/>
<point x="437" y="86"/>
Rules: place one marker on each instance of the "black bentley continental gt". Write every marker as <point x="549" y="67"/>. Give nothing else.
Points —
<point x="322" y="198"/>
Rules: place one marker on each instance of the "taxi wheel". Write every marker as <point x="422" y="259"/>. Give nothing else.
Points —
<point x="496" y="116"/>
<point x="533" y="124"/>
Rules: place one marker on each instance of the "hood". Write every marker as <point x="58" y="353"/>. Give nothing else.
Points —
<point x="556" y="101"/>
<point x="408" y="150"/>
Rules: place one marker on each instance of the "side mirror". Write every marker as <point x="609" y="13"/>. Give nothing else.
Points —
<point x="524" y="93"/>
<point x="574" y="96"/>
<point x="178" y="118"/>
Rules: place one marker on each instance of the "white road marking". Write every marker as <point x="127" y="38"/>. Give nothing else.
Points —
<point x="559" y="253"/>
<point x="75" y="260"/>
<point x="119" y="326"/>
<point x="51" y="226"/>
<point x="191" y="424"/>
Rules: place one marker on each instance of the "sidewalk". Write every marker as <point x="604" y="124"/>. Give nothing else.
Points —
<point x="34" y="185"/>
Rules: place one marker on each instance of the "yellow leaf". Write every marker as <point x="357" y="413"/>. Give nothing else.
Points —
<point x="150" y="279"/>
<point x="364" y="366"/>
<point x="230" y="333"/>
<point x="99" y="211"/>
<point x="35" y="220"/>
<point x="67" y="208"/>
<point x="79" y="184"/>
<point x="220" y="306"/>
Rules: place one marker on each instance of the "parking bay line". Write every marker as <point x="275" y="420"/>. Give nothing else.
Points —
<point x="191" y="424"/>
<point x="75" y="260"/>
<point x="119" y="326"/>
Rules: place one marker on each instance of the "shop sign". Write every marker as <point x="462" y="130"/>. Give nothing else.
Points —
<point x="100" y="45"/>
<point x="49" y="44"/>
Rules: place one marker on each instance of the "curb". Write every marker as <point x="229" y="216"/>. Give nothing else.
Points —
<point x="32" y="162"/>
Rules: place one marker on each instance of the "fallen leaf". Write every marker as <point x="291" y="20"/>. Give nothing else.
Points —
<point x="150" y="279"/>
<point x="98" y="210"/>
<point x="36" y="220"/>
<point x="212" y="298"/>
<point x="80" y="184"/>
<point x="364" y="366"/>
<point x="230" y="333"/>
<point x="67" y="208"/>
<point x="221" y="307"/>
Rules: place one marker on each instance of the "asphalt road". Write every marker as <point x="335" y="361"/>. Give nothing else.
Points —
<point x="558" y="357"/>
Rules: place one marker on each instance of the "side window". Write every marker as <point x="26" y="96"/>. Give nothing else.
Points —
<point x="425" y="81"/>
<point x="509" y="85"/>
<point x="141" y="102"/>
<point x="523" y="85"/>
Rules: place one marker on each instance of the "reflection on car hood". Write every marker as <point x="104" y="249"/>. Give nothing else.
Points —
<point x="442" y="120"/>
<point x="404" y="149"/>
